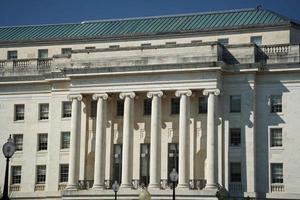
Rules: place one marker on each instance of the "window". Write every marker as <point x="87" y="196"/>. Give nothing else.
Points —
<point x="93" y="109"/>
<point x="66" y="109"/>
<point x="44" y="111"/>
<point x="235" y="172"/>
<point x="235" y="137"/>
<point x="117" y="163"/>
<point x="18" y="140"/>
<point x="144" y="164"/>
<point x="256" y="40"/>
<point x="42" y="141"/>
<point x="63" y="173"/>
<point x="276" y="103"/>
<point x="42" y="53"/>
<point x="277" y="172"/>
<point x="147" y="106"/>
<point x="276" y="137"/>
<point x="65" y="140"/>
<point x="66" y="51"/>
<point x="175" y="106"/>
<point x="146" y="45"/>
<point x="114" y="46"/>
<point x="41" y="174"/>
<point x="202" y="104"/>
<point x="16" y="172"/>
<point x="196" y="41"/>
<point x="170" y="43"/>
<point x="235" y="103"/>
<point x="223" y="41"/>
<point x="11" y="55"/>
<point x="19" y="112"/>
<point x="90" y="48"/>
<point x="120" y="107"/>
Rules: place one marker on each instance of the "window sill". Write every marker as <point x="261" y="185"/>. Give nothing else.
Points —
<point x="235" y="147"/>
<point x="276" y="148"/>
<point x="276" y="114"/>
<point x="65" y="118"/>
<point x="64" y="150"/>
<point x="43" y="120"/>
<point x="19" y="152"/>
<point x="42" y="151"/>
<point x="19" y="121"/>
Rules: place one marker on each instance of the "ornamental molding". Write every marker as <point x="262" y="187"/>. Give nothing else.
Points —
<point x="127" y="94"/>
<point x="216" y="92"/>
<point x="75" y="96"/>
<point x="155" y="93"/>
<point x="103" y="96"/>
<point x="179" y="93"/>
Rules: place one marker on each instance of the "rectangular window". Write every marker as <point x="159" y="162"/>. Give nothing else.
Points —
<point x="146" y="45"/>
<point x="63" y="173"/>
<point x="114" y="46"/>
<point x="117" y="163"/>
<point x="256" y="40"/>
<point x="16" y="172"/>
<point x="235" y="172"/>
<point x="277" y="172"/>
<point x="147" y="106"/>
<point x="235" y="103"/>
<point x="66" y="51"/>
<point x="144" y="164"/>
<point x="170" y="43"/>
<point x="90" y="48"/>
<point x="223" y="41"/>
<point x="42" y="53"/>
<point x="175" y="106"/>
<point x="120" y="107"/>
<point x="276" y="103"/>
<point x="44" y="111"/>
<point x="42" y="141"/>
<point x="203" y="104"/>
<point x="19" y="112"/>
<point x="12" y="55"/>
<point x="93" y="109"/>
<point x="65" y="140"/>
<point x="41" y="174"/>
<point x="18" y="140"/>
<point x="276" y="137"/>
<point x="235" y="137"/>
<point x="66" y="109"/>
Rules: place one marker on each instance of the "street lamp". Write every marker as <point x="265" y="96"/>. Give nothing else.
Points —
<point x="115" y="188"/>
<point x="8" y="149"/>
<point x="174" y="178"/>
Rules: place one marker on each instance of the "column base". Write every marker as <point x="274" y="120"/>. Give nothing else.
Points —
<point x="183" y="186"/>
<point x="154" y="186"/>
<point x="71" y="187"/>
<point x="98" y="187"/>
<point x="126" y="185"/>
<point x="211" y="187"/>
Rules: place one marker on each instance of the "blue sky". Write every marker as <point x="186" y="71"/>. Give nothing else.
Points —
<point x="22" y="12"/>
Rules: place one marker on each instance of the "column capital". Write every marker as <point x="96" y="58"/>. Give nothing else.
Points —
<point x="214" y="91"/>
<point x="127" y="94"/>
<point x="158" y="93"/>
<point x="75" y="96"/>
<point x="100" y="95"/>
<point x="178" y="93"/>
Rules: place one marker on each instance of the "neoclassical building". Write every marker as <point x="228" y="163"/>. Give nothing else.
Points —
<point x="212" y="95"/>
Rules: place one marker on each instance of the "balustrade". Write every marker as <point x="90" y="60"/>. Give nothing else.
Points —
<point x="277" y="188"/>
<point x="276" y="49"/>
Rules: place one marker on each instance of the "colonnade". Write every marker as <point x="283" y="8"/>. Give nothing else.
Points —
<point x="128" y="97"/>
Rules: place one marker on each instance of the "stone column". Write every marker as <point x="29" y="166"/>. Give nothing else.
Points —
<point x="183" y="174"/>
<point x="127" y="139"/>
<point x="99" y="174"/>
<point x="75" y="132"/>
<point x="155" y="138"/>
<point x="211" y="182"/>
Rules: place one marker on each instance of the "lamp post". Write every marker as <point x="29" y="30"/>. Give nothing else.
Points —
<point x="115" y="188"/>
<point x="174" y="178"/>
<point x="8" y="149"/>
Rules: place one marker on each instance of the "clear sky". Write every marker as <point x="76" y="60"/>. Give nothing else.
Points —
<point x="22" y="12"/>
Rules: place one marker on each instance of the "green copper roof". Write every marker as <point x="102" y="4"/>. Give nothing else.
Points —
<point x="144" y="26"/>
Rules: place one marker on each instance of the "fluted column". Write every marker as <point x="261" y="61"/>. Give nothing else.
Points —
<point x="183" y="174"/>
<point x="155" y="138"/>
<point x="127" y="139"/>
<point x="100" y="141"/>
<point x="211" y="182"/>
<point x="75" y="131"/>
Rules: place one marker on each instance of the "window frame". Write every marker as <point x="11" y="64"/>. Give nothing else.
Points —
<point x="120" y="108"/>
<point x="281" y="181"/>
<point x="233" y="178"/>
<point x="16" y="113"/>
<point x="41" y="111"/>
<point x="16" y="142"/>
<point x="231" y="132"/>
<point x="276" y="107"/>
<point x="66" y="51"/>
<point x="175" y="106"/>
<point x="63" y="144"/>
<point x="252" y="38"/>
<point x="42" y="52"/>
<point x="202" y="105"/>
<point x="231" y="105"/>
<point x="42" y="145"/>
<point x="11" y="52"/>
<point x="147" y="106"/>
<point x="273" y="143"/>
<point x="16" y="179"/>
<point x="222" y="41"/>
<point x="63" y="175"/>
<point x="64" y="114"/>
<point x="41" y="178"/>
<point x="93" y="111"/>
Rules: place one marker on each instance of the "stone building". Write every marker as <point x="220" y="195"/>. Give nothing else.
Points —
<point x="213" y="95"/>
